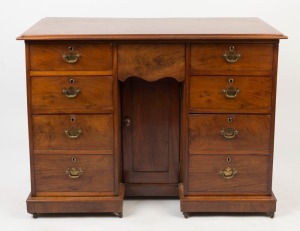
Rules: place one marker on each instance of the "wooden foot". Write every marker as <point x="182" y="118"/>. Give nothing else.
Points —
<point x="186" y="215"/>
<point x="35" y="215"/>
<point x="271" y="214"/>
<point x="119" y="214"/>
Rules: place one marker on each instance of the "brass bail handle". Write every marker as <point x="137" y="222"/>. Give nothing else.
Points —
<point x="232" y="56"/>
<point x="74" y="173"/>
<point x="71" y="57"/>
<point x="231" y="92"/>
<point x="71" y="92"/>
<point x="228" y="173"/>
<point x="229" y="133"/>
<point x="73" y="133"/>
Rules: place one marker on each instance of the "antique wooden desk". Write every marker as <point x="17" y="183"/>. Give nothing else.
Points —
<point x="151" y="107"/>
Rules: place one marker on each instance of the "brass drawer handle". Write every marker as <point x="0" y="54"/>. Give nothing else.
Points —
<point x="233" y="56"/>
<point x="229" y="133"/>
<point x="231" y="92"/>
<point x="73" y="133"/>
<point x="71" y="92"/>
<point x="228" y="173"/>
<point x="74" y="173"/>
<point x="71" y="57"/>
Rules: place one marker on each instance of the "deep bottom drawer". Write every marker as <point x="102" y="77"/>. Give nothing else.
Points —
<point x="225" y="174"/>
<point x="70" y="174"/>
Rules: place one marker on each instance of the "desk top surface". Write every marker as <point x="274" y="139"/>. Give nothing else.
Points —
<point x="150" y="29"/>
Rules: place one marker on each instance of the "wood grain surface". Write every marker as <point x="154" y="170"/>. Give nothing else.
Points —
<point x="51" y="176"/>
<point x="151" y="62"/>
<point x="49" y="132"/>
<point x="206" y="93"/>
<point x="150" y="28"/>
<point x="49" y="57"/>
<point x="251" y="176"/>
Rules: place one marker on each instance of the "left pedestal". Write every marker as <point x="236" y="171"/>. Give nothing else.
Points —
<point x="105" y="204"/>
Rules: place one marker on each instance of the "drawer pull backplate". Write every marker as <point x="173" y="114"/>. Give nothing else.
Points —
<point x="232" y="56"/>
<point x="229" y="133"/>
<point x="231" y="92"/>
<point x="228" y="173"/>
<point x="73" y="133"/>
<point x="74" y="173"/>
<point x="71" y="92"/>
<point x="71" y="57"/>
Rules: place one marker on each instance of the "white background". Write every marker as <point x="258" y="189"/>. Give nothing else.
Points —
<point x="17" y="16"/>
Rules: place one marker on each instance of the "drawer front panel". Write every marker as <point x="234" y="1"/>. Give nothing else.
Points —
<point x="151" y="62"/>
<point x="71" y="94"/>
<point x="238" y="174"/>
<point x="85" y="57"/>
<point x="74" y="173"/>
<point x="221" y="92"/>
<point x="210" y="57"/>
<point x="77" y="132"/>
<point x="232" y="133"/>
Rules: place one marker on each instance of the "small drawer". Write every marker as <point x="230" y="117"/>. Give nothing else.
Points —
<point x="71" y="174"/>
<point x="216" y="58"/>
<point x="224" y="174"/>
<point x="70" y="57"/>
<point x="230" y="93"/>
<point x="76" y="94"/>
<point x="229" y="133"/>
<point x="72" y="132"/>
<point x="151" y="62"/>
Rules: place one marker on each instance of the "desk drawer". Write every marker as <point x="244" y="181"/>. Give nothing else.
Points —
<point x="73" y="132"/>
<point x="222" y="92"/>
<point x="151" y="62"/>
<point x="238" y="174"/>
<point x="70" y="57"/>
<point x="228" y="133"/>
<point x="80" y="94"/>
<point x="71" y="174"/>
<point x="209" y="58"/>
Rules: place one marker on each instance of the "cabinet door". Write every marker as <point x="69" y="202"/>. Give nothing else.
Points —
<point x="150" y="113"/>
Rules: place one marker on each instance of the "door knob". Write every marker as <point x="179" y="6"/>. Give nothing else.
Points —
<point x="127" y="122"/>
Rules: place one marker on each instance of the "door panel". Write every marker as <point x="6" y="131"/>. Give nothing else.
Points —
<point x="151" y="134"/>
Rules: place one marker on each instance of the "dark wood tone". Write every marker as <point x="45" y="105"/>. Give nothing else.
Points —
<point x="151" y="142"/>
<point x="117" y="123"/>
<point x="251" y="176"/>
<point x="151" y="190"/>
<point x="255" y="93"/>
<point x="76" y="204"/>
<point x="151" y="62"/>
<point x="95" y="94"/>
<point x="49" y="57"/>
<point x="275" y="65"/>
<point x="176" y="105"/>
<point x="227" y="204"/>
<point x="30" y="132"/>
<point x="70" y="73"/>
<point x="51" y="176"/>
<point x="184" y="139"/>
<point x="209" y="57"/>
<point x="49" y="132"/>
<point x="205" y="133"/>
<point x="151" y="29"/>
